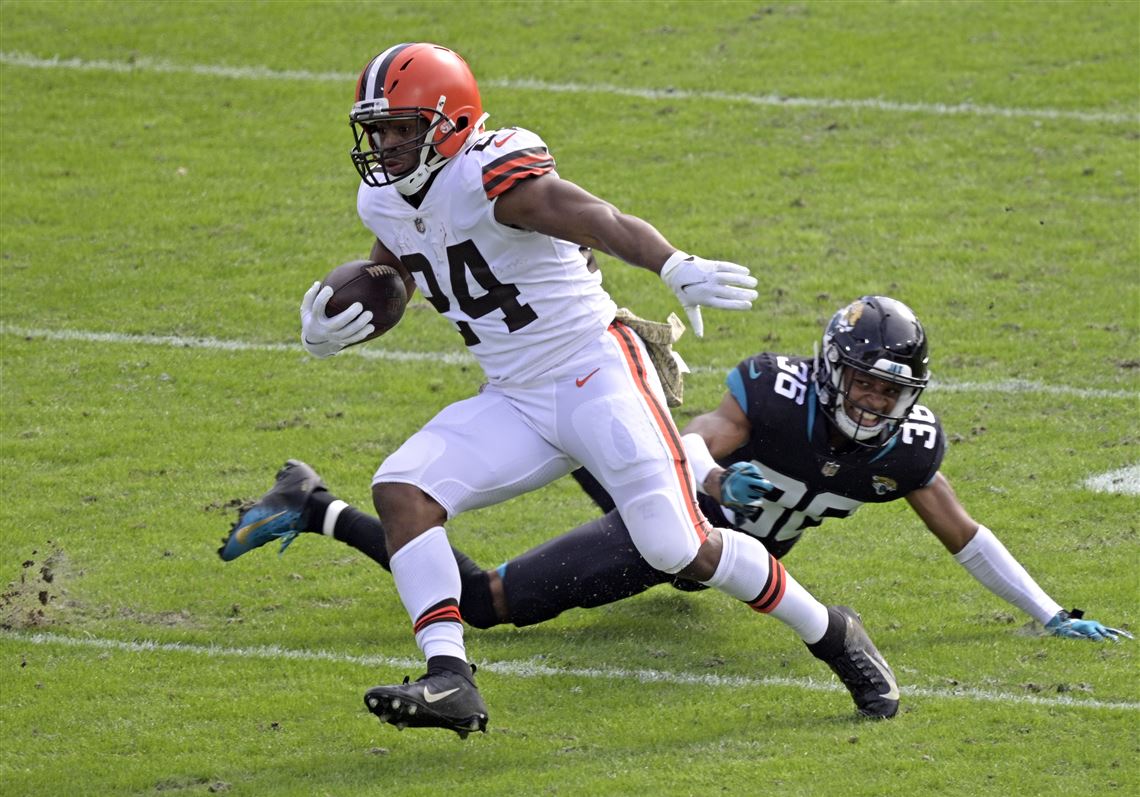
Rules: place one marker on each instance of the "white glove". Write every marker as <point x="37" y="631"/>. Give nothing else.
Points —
<point x="323" y="336"/>
<point x="712" y="283"/>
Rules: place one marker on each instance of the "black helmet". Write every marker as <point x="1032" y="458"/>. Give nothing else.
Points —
<point x="880" y="337"/>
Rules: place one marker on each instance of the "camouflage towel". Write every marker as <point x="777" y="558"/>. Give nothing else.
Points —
<point x="659" y="339"/>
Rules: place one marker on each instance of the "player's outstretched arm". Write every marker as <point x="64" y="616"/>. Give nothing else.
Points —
<point x="978" y="550"/>
<point x="562" y="209"/>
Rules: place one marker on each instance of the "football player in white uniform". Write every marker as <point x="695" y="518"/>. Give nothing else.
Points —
<point x="480" y="222"/>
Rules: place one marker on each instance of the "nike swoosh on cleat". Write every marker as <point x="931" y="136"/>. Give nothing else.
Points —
<point x="893" y="692"/>
<point x="504" y="139"/>
<point x="583" y="380"/>
<point x="245" y="531"/>
<point x="431" y="697"/>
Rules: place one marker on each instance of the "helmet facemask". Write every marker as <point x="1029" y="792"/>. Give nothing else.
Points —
<point x="368" y="155"/>
<point x="862" y="423"/>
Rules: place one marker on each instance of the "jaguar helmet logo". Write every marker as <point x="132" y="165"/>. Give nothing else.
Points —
<point x="851" y="315"/>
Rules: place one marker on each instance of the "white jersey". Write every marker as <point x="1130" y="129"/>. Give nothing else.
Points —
<point x="523" y="302"/>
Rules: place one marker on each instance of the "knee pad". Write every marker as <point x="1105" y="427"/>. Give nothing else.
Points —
<point x="661" y="532"/>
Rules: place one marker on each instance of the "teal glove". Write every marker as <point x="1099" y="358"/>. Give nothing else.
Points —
<point x="1072" y="626"/>
<point x="742" y="485"/>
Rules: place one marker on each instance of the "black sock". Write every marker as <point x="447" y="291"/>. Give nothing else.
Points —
<point x="440" y="664"/>
<point x="313" y="518"/>
<point x="360" y="530"/>
<point x="831" y="644"/>
<point x="365" y="533"/>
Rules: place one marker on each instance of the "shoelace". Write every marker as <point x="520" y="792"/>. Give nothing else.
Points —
<point x="865" y="668"/>
<point x="287" y="538"/>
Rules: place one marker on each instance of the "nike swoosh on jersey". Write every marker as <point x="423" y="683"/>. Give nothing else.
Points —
<point x="583" y="380"/>
<point x="245" y="531"/>
<point x="505" y="138"/>
<point x="431" y="697"/>
<point x="752" y="372"/>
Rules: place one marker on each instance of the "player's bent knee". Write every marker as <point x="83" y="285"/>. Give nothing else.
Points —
<point x="406" y="511"/>
<point x="663" y="535"/>
<point x="705" y="563"/>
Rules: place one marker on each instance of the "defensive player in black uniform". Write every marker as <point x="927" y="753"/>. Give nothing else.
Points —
<point x="795" y="440"/>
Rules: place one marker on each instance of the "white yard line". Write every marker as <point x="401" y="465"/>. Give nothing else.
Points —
<point x="463" y="358"/>
<point x="1125" y="481"/>
<point x="524" y="669"/>
<point x="157" y="66"/>
<point x="216" y="344"/>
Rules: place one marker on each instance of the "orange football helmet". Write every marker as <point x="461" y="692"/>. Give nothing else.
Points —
<point x="414" y="81"/>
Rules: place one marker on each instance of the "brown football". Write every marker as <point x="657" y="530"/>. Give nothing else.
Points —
<point x="378" y="287"/>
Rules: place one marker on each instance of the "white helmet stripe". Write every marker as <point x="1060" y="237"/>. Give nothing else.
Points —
<point x="372" y="86"/>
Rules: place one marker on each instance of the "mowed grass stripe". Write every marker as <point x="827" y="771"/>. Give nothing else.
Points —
<point x="137" y="65"/>
<point x="1008" y="386"/>
<point x="520" y="669"/>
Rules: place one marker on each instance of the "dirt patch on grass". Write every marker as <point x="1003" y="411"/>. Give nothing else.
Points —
<point x="27" y="602"/>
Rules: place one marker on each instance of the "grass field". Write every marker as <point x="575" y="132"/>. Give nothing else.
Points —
<point x="174" y="175"/>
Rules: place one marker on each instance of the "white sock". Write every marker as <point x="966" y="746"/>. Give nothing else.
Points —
<point x="427" y="579"/>
<point x="749" y="573"/>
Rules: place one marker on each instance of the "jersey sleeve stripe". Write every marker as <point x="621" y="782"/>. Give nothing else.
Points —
<point x="501" y="174"/>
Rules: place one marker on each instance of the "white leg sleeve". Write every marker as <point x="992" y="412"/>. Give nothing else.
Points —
<point x="989" y="562"/>
<point x="749" y="573"/>
<point x="427" y="576"/>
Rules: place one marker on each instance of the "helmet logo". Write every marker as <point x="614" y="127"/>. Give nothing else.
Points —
<point x="851" y="316"/>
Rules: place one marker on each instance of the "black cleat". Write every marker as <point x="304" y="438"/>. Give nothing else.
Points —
<point x="862" y="668"/>
<point x="276" y="515"/>
<point x="444" y="700"/>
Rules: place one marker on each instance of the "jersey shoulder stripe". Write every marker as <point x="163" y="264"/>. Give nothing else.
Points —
<point x="501" y="174"/>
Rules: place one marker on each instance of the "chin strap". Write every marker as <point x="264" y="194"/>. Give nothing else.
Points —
<point x="431" y="162"/>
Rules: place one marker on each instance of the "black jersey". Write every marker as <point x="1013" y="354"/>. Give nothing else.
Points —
<point x="790" y="443"/>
